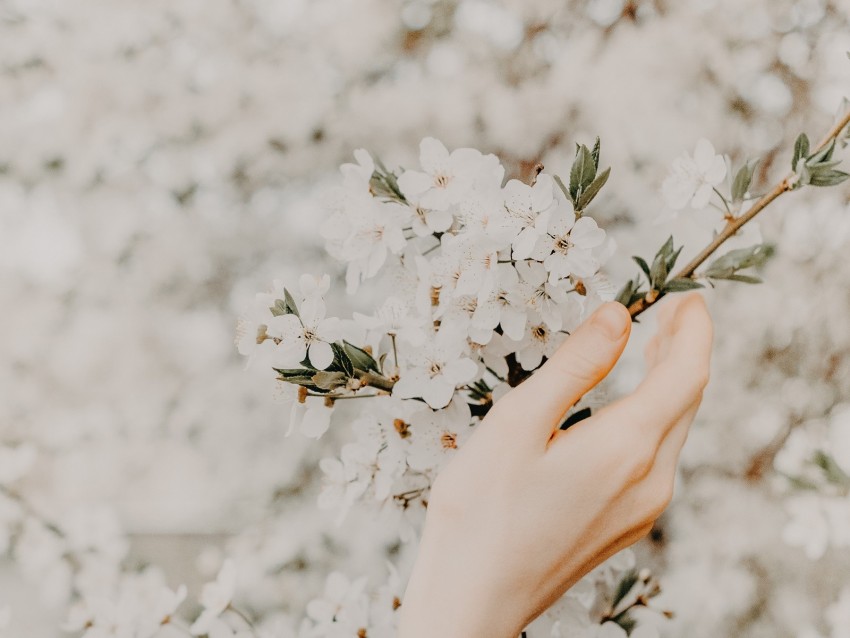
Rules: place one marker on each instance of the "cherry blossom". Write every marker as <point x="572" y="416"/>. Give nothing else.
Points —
<point x="307" y="335"/>
<point x="693" y="178"/>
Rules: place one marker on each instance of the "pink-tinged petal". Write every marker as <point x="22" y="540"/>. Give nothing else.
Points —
<point x="716" y="171"/>
<point x="414" y="183"/>
<point x="321" y="355"/>
<point x="704" y="154"/>
<point x="316" y="421"/>
<point x="702" y="197"/>
<point x="587" y="234"/>
<point x="437" y="393"/>
<point x="460" y="370"/>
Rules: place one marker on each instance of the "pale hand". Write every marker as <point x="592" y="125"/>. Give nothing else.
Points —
<point x="525" y="510"/>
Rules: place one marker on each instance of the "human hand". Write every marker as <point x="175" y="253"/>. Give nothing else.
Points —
<point x="524" y="510"/>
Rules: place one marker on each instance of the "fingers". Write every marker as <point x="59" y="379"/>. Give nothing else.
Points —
<point x="676" y="380"/>
<point x="584" y="359"/>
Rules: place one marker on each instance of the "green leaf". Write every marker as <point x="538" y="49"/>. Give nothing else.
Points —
<point x="682" y="284"/>
<point x="823" y="155"/>
<point x="801" y="150"/>
<point x="327" y="380"/>
<point x="597" y="147"/>
<point x="640" y="261"/>
<point x="743" y="179"/>
<point x="728" y="265"/>
<point x="832" y="470"/>
<point x="827" y="177"/>
<point x="341" y="360"/>
<point x="660" y="269"/>
<point x="360" y="359"/>
<point x="593" y="189"/>
<point x="629" y="293"/>
<point x="629" y="580"/>
<point x="582" y="173"/>
<point x="744" y="279"/>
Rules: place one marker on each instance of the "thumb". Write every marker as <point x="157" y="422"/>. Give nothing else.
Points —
<point x="585" y="358"/>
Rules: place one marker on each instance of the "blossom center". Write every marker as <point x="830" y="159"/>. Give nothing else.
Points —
<point x="448" y="440"/>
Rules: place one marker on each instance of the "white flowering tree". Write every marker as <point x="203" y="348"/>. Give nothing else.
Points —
<point x="157" y="164"/>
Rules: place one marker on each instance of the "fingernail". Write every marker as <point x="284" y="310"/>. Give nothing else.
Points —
<point x="611" y="320"/>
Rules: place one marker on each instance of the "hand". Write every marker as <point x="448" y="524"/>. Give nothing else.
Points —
<point x="525" y="510"/>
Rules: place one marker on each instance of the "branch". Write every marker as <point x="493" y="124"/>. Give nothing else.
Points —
<point x="734" y="225"/>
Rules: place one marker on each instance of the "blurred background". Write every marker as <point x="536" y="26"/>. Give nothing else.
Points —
<point x="162" y="161"/>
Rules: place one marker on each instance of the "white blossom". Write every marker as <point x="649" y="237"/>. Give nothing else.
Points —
<point x="693" y="178"/>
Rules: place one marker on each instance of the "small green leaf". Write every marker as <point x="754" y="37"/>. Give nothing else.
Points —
<point x="728" y="265"/>
<point x="360" y="359"/>
<point x="801" y="150"/>
<point x="593" y="189"/>
<point x="597" y="147"/>
<point x="742" y="181"/>
<point x="823" y="155"/>
<point x="827" y="177"/>
<point x="582" y="173"/>
<point x="640" y="261"/>
<point x="660" y="265"/>
<point x="291" y="307"/>
<point x="832" y="470"/>
<point x="341" y="360"/>
<point x="629" y="580"/>
<point x="327" y="380"/>
<point x="629" y="293"/>
<point x="681" y="284"/>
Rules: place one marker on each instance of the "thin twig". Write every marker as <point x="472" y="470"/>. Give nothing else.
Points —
<point x="734" y="225"/>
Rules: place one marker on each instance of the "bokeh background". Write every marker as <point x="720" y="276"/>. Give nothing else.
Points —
<point x="161" y="161"/>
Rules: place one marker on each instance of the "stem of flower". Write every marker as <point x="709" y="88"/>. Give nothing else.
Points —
<point x="734" y="225"/>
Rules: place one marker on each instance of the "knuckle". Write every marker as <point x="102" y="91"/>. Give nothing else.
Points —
<point x="659" y="499"/>
<point x="638" y="457"/>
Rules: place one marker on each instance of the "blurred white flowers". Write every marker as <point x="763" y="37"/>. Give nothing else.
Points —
<point x="692" y="178"/>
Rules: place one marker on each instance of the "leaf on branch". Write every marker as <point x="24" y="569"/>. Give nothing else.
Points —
<point x="360" y="359"/>
<point x="593" y="189"/>
<point x="801" y="150"/>
<point x="327" y="380"/>
<point x="728" y="265"/>
<point x="582" y="173"/>
<point x="341" y="361"/>
<point x="681" y="284"/>
<point x="285" y="306"/>
<point x="630" y="293"/>
<point x="832" y="471"/>
<point x="827" y="177"/>
<point x="664" y="260"/>
<point x="597" y="148"/>
<point x="743" y="179"/>
<point x="640" y="261"/>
